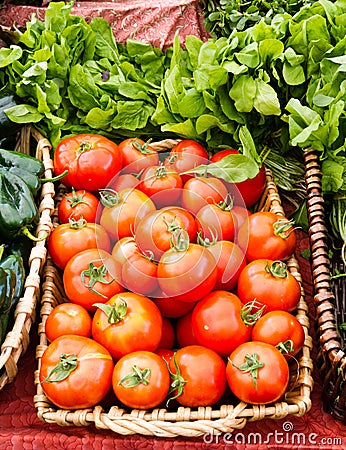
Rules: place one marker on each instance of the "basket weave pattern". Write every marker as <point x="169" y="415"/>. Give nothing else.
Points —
<point x="329" y="296"/>
<point x="17" y="339"/>
<point x="182" y="421"/>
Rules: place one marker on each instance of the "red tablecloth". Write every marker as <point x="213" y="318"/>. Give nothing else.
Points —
<point x="154" y="21"/>
<point x="20" y="428"/>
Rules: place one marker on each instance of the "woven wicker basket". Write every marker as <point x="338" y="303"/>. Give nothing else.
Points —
<point x="17" y="339"/>
<point x="329" y="297"/>
<point x="184" y="421"/>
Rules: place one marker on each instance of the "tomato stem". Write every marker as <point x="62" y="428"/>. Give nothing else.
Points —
<point x="161" y="171"/>
<point x="171" y="226"/>
<point x="178" y="381"/>
<point x="277" y="269"/>
<point x="246" y="314"/>
<point x="116" y="312"/>
<point x="75" y="199"/>
<point x="77" y="224"/>
<point x="207" y="242"/>
<point x="226" y="204"/>
<point x="67" y="364"/>
<point x="135" y="377"/>
<point x="96" y="275"/>
<point x="142" y="148"/>
<point x="84" y="147"/>
<point x="180" y="240"/>
<point x="283" y="228"/>
<point x="109" y="197"/>
<point x="286" y="347"/>
<point x="251" y="365"/>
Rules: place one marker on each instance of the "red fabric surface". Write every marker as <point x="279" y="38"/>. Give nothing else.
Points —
<point x="20" y="428"/>
<point x="156" y="21"/>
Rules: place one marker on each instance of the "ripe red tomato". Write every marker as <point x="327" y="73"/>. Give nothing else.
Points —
<point x="126" y="323"/>
<point x="162" y="185"/>
<point x="122" y="211"/>
<point x="141" y="380"/>
<point x="267" y="235"/>
<point x="154" y="232"/>
<point x="68" y="318"/>
<point x="201" y="376"/>
<point x="170" y="307"/>
<point x="124" y="181"/>
<point x="230" y="261"/>
<point x="218" y="324"/>
<point x="188" y="220"/>
<point x="215" y="221"/>
<point x="188" y="273"/>
<point x="168" y="334"/>
<point x="240" y="215"/>
<point x="139" y="274"/>
<point x="92" y="161"/>
<point x="68" y="239"/>
<point x="184" y="331"/>
<point x="124" y="249"/>
<point x="91" y="276"/>
<point x="199" y="191"/>
<point x="137" y="155"/>
<point x="257" y="373"/>
<point x="271" y="284"/>
<point x="88" y="368"/>
<point x="165" y="353"/>
<point x="281" y="329"/>
<point x="246" y="192"/>
<point x="78" y="203"/>
<point x="186" y="155"/>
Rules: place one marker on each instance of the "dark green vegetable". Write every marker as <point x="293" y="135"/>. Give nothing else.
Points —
<point x="8" y="141"/>
<point x="18" y="211"/>
<point x="20" y="246"/>
<point x="7" y="127"/>
<point x="337" y="218"/>
<point x="26" y="167"/>
<point x="7" y="289"/>
<point x="16" y="264"/>
<point x="13" y="263"/>
<point x="221" y="17"/>
<point x="3" y="286"/>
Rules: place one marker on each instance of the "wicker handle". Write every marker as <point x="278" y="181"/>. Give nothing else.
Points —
<point x="323" y="295"/>
<point x="317" y="229"/>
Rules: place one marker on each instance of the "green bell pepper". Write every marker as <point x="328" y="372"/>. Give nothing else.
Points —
<point x="7" y="289"/>
<point x="15" y="264"/>
<point x="20" y="246"/>
<point x="18" y="210"/>
<point x="27" y="167"/>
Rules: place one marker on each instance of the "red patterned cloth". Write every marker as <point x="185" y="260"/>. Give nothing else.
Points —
<point x="20" y="428"/>
<point x="154" y="21"/>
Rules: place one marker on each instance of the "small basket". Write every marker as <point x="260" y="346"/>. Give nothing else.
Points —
<point x="188" y="422"/>
<point x="17" y="339"/>
<point x="329" y="297"/>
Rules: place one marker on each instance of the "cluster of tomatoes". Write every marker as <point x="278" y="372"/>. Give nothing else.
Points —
<point x="177" y="291"/>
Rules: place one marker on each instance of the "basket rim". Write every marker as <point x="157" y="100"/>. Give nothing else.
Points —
<point x="324" y="297"/>
<point x="17" y="339"/>
<point x="184" y="421"/>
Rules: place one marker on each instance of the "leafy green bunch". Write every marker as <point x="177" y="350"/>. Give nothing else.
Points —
<point x="277" y="85"/>
<point x="224" y="16"/>
<point x="73" y="76"/>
